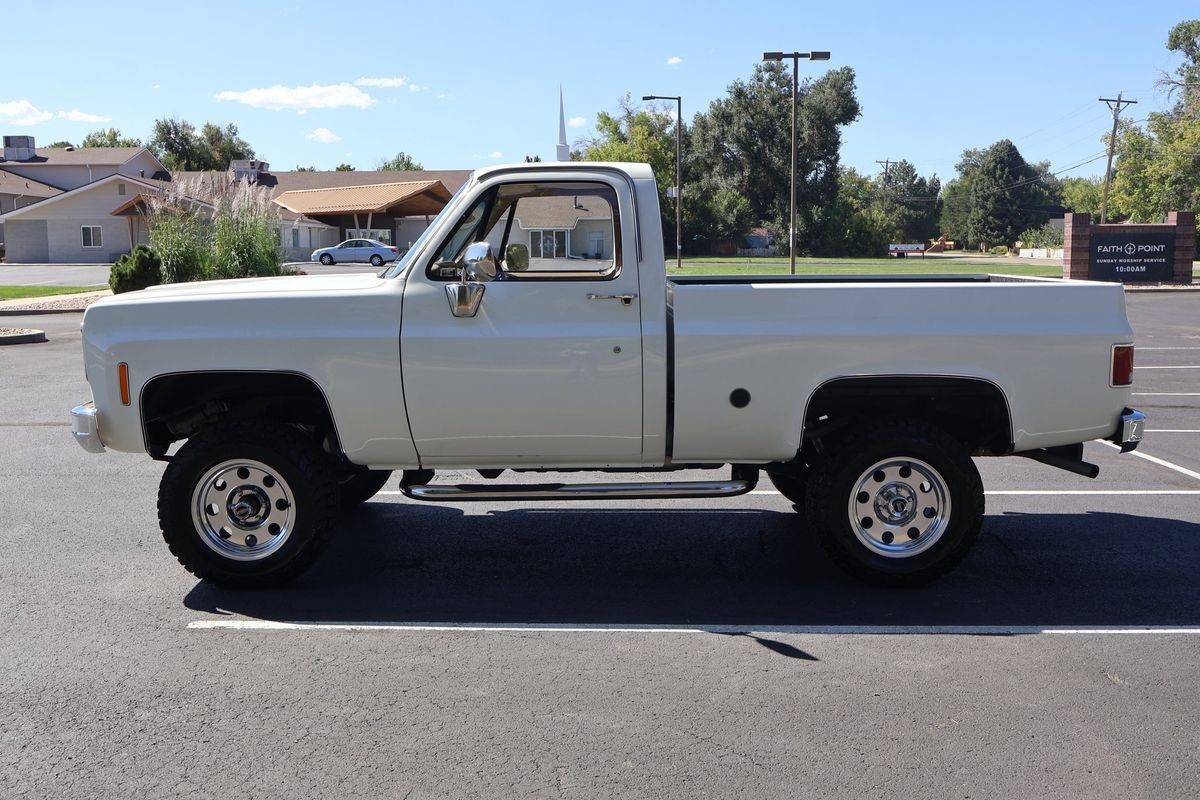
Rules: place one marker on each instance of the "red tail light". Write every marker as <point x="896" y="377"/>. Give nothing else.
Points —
<point x="1122" y="365"/>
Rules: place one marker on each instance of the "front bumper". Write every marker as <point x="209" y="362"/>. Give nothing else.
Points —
<point x="85" y="429"/>
<point x="1131" y="430"/>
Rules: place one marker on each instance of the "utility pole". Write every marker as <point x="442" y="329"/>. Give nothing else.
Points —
<point x="678" y="172"/>
<point x="886" y="164"/>
<point x="1115" y="104"/>
<point x="815" y="55"/>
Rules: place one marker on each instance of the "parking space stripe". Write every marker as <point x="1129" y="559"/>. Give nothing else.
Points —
<point x="1157" y="460"/>
<point x="1173" y="430"/>
<point x="541" y="627"/>
<point x="1141" y="368"/>
<point x="1003" y="492"/>
<point x="1189" y="347"/>
<point x="1166" y="394"/>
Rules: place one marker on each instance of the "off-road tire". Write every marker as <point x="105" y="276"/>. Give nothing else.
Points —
<point x="360" y="487"/>
<point x="299" y="461"/>
<point x="834" y="477"/>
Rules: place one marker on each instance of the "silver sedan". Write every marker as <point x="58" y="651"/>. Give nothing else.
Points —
<point x="369" y="251"/>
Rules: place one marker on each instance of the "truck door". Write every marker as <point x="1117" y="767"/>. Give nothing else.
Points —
<point x="549" y="370"/>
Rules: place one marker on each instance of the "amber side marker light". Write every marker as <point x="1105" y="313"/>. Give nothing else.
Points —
<point x="1122" y="365"/>
<point x="123" y="381"/>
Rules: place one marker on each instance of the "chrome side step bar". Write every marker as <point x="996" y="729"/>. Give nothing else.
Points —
<point x="473" y="492"/>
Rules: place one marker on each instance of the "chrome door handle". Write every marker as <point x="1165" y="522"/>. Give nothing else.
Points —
<point x="626" y="299"/>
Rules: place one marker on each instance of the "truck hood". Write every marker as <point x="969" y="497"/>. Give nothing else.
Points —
<point x="287" y="284"/>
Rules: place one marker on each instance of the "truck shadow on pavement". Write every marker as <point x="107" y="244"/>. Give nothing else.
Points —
<point x="409" y="563"/>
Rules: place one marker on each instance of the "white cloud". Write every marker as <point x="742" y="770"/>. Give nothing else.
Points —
<point x="156" y="87"/>
<point x="22" y="112"/>
<point x="301" y="98"/>
<point x="412" y="87"/>
<point x="576" y="122"/>
<point x="495" y="154"/>
<point x="398" y="82"/>
<point x="324" y="136"/>
<point x="673" y="60"/>
<point x="75" y="115"/>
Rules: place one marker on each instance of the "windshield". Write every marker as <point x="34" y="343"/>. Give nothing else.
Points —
<point x="405" y="260"/>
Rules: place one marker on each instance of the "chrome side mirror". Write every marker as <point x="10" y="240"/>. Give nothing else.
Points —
<point x="478" y="264"/>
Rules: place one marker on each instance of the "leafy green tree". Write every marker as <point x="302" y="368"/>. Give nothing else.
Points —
<point x="180" y="146"/>
<point x="343" y="168"/>
<point x="61" y="143"/>
<point x="857" y="224"/>
<point x="109" y="137"/>
<point x="401" y="162"/>
<point x="1082" y="195"/>
<point x="304" y="169"/>
<point x="996" y="195"/>
<point x="1184" y="84"/>
<point x="744" y="139"/>
<point x="1157" y="169"/>
<point x="909" y="203"/>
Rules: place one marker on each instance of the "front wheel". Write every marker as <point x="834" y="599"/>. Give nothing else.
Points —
<point x="376" y="261"/>
<point x="248" y="505"/>
<point x="899" y="503"/>
<point x="326" y="259"/>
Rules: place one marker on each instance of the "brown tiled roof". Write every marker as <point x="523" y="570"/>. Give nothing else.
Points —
<point x="280" y="182"/>
<point x="560" y="211"/>
<point x="79" y="155"/>
<point x="11" y="183"/>
<point x="370" y="198"/>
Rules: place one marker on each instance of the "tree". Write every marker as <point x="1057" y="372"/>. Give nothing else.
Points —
<point x="996" y="196"/>
<point x="304" y="169"/>
<point x="533" y="159"/>
<point x="180" y="146"/>
<point x="1082" y="195"/>
<point x="744" y="139"/>
<point x="61" y="143"/>
<point x="109" y="137"/>
<point x="908" y="203"/>
<point x="343" y="168"/>
<point x="401" y="162"/>
<point x="1184" y="39"/>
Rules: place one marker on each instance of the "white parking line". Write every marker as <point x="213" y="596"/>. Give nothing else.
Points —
<point x="541" y="627"/>
<point x="1141" y="368"/>
<point x="1143" y="349"/>
<point x="1002" y="492"/>
<point x="1157" y="460"/>
<point x="1166" y="394"/>
<point x="1172" y="430"/>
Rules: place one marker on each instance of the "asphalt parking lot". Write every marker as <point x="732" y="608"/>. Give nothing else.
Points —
<point x="648" y="649"/>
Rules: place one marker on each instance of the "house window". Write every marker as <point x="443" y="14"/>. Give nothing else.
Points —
<point x="91" y="236"/>
<point x="548" y="243"/>
<point x="295" y="237"/>
<point x="121" y="189"/>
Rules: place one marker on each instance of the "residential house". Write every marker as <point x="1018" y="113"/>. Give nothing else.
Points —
<point x="86" y="204"/>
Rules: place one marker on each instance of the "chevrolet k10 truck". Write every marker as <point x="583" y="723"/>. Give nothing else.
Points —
<point x="533" y="327"/>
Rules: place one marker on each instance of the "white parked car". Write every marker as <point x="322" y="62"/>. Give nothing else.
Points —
<point x="277" y="403"/>
<point x="362" y="251"/>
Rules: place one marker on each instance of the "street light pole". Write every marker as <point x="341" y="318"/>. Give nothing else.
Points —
<point x="678" y="172"/>
<point x="816" y="55"/>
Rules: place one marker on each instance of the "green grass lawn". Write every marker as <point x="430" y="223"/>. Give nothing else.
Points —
<point x="22" y="292"/>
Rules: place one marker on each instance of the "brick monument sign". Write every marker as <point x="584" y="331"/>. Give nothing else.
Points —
<point x="1130" y="253"/>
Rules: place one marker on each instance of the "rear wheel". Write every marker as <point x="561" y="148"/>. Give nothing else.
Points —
<point x="900" y="503"/>
<point x="359" y="487"/>
<point x="326" y="259"/>
<point x="376" y="260"/>
<point x="248" y="505"/>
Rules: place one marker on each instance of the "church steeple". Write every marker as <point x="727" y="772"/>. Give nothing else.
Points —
<point x="563" y="152"/>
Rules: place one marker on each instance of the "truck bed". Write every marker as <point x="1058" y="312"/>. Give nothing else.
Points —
<point x="1046" y="343"/>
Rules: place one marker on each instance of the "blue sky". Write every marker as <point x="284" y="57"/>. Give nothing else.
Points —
<point x="459" y="85"/>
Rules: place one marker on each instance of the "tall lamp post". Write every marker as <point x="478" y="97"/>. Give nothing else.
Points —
<point x="815" y="55"/>
<point x="678" y="172"/>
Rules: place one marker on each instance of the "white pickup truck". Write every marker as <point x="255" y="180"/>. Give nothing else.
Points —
<point x="533" y="327"/>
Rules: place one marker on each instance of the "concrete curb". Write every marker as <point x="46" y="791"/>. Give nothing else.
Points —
<point x="28" y="312"/>
<point x="23" y="338"/>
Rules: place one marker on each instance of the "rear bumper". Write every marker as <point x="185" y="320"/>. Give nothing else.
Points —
<point x="85" y="429"/>
<point x="1130" y="430"/>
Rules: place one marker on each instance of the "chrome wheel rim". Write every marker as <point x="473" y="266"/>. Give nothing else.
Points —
<point x="899" y="507"/>
<point x="243" y="510"/>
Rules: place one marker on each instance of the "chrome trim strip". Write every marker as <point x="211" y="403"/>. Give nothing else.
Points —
<point x="85" y="428"/>
<point x="462" y="492"/>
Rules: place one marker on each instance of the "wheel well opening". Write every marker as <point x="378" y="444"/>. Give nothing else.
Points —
<point x="972" y="410"/>
<point x="178" y="406"/>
